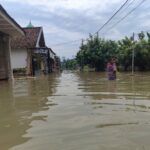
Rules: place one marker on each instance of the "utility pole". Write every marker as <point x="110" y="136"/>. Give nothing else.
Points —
<point x="82" y="58"/>
<point x="133" y="53"/>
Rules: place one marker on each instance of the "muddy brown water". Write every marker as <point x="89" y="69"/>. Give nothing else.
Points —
<point x="75" y="111"/>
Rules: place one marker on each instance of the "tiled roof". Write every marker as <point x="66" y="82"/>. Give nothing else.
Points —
<point x="28" y="41"/>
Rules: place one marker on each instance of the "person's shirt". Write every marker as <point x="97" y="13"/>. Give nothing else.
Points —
<point x="110" y="67"/>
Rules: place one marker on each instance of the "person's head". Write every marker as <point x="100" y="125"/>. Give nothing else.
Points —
<point x="113" y="60"/>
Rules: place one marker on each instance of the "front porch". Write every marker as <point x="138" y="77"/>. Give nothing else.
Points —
<point x="42" y="60"/>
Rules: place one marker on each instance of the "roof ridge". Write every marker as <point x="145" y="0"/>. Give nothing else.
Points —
<point x="32" y="27"/>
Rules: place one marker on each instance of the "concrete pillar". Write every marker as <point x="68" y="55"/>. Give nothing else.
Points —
<point x="10" y="70"/>
<point x="5" y="62"/>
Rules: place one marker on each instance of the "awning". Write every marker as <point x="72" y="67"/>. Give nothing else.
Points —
<point x="8" y="25"/>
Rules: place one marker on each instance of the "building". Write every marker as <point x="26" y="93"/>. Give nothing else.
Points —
<point x="8" y="30"/>
<point x="30" y="55"/>
<point x="43" y="60"/>
<point x="23" y="48"/>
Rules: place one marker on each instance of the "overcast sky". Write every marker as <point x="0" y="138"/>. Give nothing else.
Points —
<point x="67" y="20"/>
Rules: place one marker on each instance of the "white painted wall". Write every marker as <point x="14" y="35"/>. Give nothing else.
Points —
<point x="18" y="58"/>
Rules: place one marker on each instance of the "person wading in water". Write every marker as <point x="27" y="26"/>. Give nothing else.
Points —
<point x="111" y="69"/>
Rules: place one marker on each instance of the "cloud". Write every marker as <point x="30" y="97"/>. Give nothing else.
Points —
<point x="70" y="4"/>
<point x="65" y="20"/>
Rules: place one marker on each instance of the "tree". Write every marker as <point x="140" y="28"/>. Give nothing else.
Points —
<point x="97" y="51"/>
<point x="69" y="64"/>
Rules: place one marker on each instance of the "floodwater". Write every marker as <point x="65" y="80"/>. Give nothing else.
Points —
<point x="75" y="111"/>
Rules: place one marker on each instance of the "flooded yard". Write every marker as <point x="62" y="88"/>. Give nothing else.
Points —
<point x="75" y="111"/>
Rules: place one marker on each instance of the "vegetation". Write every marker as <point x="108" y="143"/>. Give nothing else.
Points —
<point x="69" y="64"/>
<point x="96" y="52"/>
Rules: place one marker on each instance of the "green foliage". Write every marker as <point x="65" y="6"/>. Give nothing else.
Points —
<point x="97" y="51"/>
<point x="69" y="64"/>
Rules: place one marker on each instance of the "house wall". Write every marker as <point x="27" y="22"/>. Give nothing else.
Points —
<point x="19" y="58"/>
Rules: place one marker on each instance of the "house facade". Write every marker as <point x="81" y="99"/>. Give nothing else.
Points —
<point x="29" y="54"/>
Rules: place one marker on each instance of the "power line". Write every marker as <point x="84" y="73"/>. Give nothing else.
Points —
<point x="112" y="16"/>
<point x="123" y="11"/>
<point x="128" y="6"/>
<point x="59" y="44"/>
<point x="69" y="42"/>
<point x="126" y="15"/>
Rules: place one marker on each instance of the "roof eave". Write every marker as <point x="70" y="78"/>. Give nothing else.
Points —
<point x="11" y="21"/>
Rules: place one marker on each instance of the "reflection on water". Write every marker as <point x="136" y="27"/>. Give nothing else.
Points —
<point x="76" y="111"/>
<point x="19" y="101"/>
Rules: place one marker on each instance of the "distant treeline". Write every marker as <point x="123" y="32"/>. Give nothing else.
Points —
<point x="96" y="52"/>
<point x="69" y="64"/>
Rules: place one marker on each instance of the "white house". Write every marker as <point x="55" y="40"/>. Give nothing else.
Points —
<point x="23" y="48"/>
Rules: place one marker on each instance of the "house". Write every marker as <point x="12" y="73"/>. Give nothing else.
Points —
<point x="43" y="60"/>
<point x="57" y="64"/>
<point x="23" y="50"/>
<point x="30" y="54"/>
<point x="8" y="30"/>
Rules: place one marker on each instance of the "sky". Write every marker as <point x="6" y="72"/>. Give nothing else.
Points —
<point x="71" y="20"/>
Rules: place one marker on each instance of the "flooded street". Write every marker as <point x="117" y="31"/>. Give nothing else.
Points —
<point x="75" y="111"/>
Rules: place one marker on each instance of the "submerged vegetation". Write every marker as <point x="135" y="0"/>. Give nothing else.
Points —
<point x="97" y="51"/>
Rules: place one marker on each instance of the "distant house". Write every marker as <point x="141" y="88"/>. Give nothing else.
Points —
<point x="8" y="30"/>
<point x="22" y="48"/>
<point x="55" y="64"/>
<point x="43" y="60"/>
